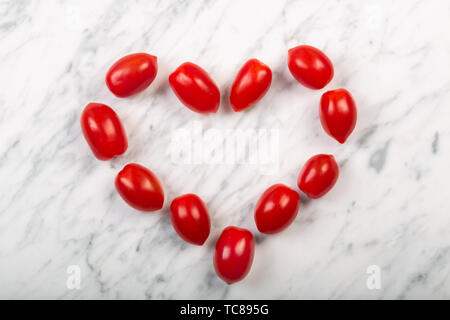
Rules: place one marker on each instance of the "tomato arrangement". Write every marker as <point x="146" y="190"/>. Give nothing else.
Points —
<point x="278" y="206"/>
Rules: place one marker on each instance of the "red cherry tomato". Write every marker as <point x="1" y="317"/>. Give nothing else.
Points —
<point x="140" y="188"/>
<point x="318" y="175"/>
<point x="103" y="131"/>
<point x="190" y="218"/>
<point x="338" y="114"/>
<point x="195" y="88"/>
<point x="310" y="66"/>
<point x="276" y="209"/>
<point x="233" y="255"/>
<point x="131" y="74"/>
<point x="250" y="85"/>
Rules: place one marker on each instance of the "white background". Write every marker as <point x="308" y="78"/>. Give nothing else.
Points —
<point x="58" y="206"/>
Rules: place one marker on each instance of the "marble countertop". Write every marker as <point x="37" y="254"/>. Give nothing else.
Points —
<point x="388" y="216"/>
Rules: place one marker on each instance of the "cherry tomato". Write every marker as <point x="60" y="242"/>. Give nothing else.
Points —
<point x="195" y="88"/>
<point x="310" y="66"/>
<point x="318" y="175"/>
<point x="338" y="114"/>
<point x="131" y="74"/>
<point x="140" y="188"/>
<point x="233" y="255"/>
<point x="103" y="131"/>
<point x="276" y="209"/>
<point x="190" y="218"/>
<point x="251" y="84"/>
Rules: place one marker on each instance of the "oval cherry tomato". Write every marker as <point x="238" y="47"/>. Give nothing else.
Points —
<point x="233" y="255"/>
<point x="131" y="74"/>
<point x="195" y="88"/>
<point x="276" y="209"/>
<point x="250" y="85"/>
<point x="338" y="114"/>
<point x="103" y="131"/>
<point x="190" y="218"/>
<point x="310" y="66"/>
<point x="318" y="175"/>
<point x="140" y="188"/>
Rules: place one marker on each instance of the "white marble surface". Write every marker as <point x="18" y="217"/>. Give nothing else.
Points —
<point x="58" y="206"/>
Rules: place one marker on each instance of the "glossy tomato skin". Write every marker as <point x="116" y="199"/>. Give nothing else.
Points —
<point x="140" y="188"/>
<point x="318" y="175"/>
<point x="190" y="218"/>
<point x="195" y="88"/>
<point x="103" y="131"/>
<point x="234" y="253"/>
<point x="338" y="114"/>
<point x="276" y="209"/>
<point x="131" y="74"/>
<point x="310" y="66"/>
<point x="251" y="84"/>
